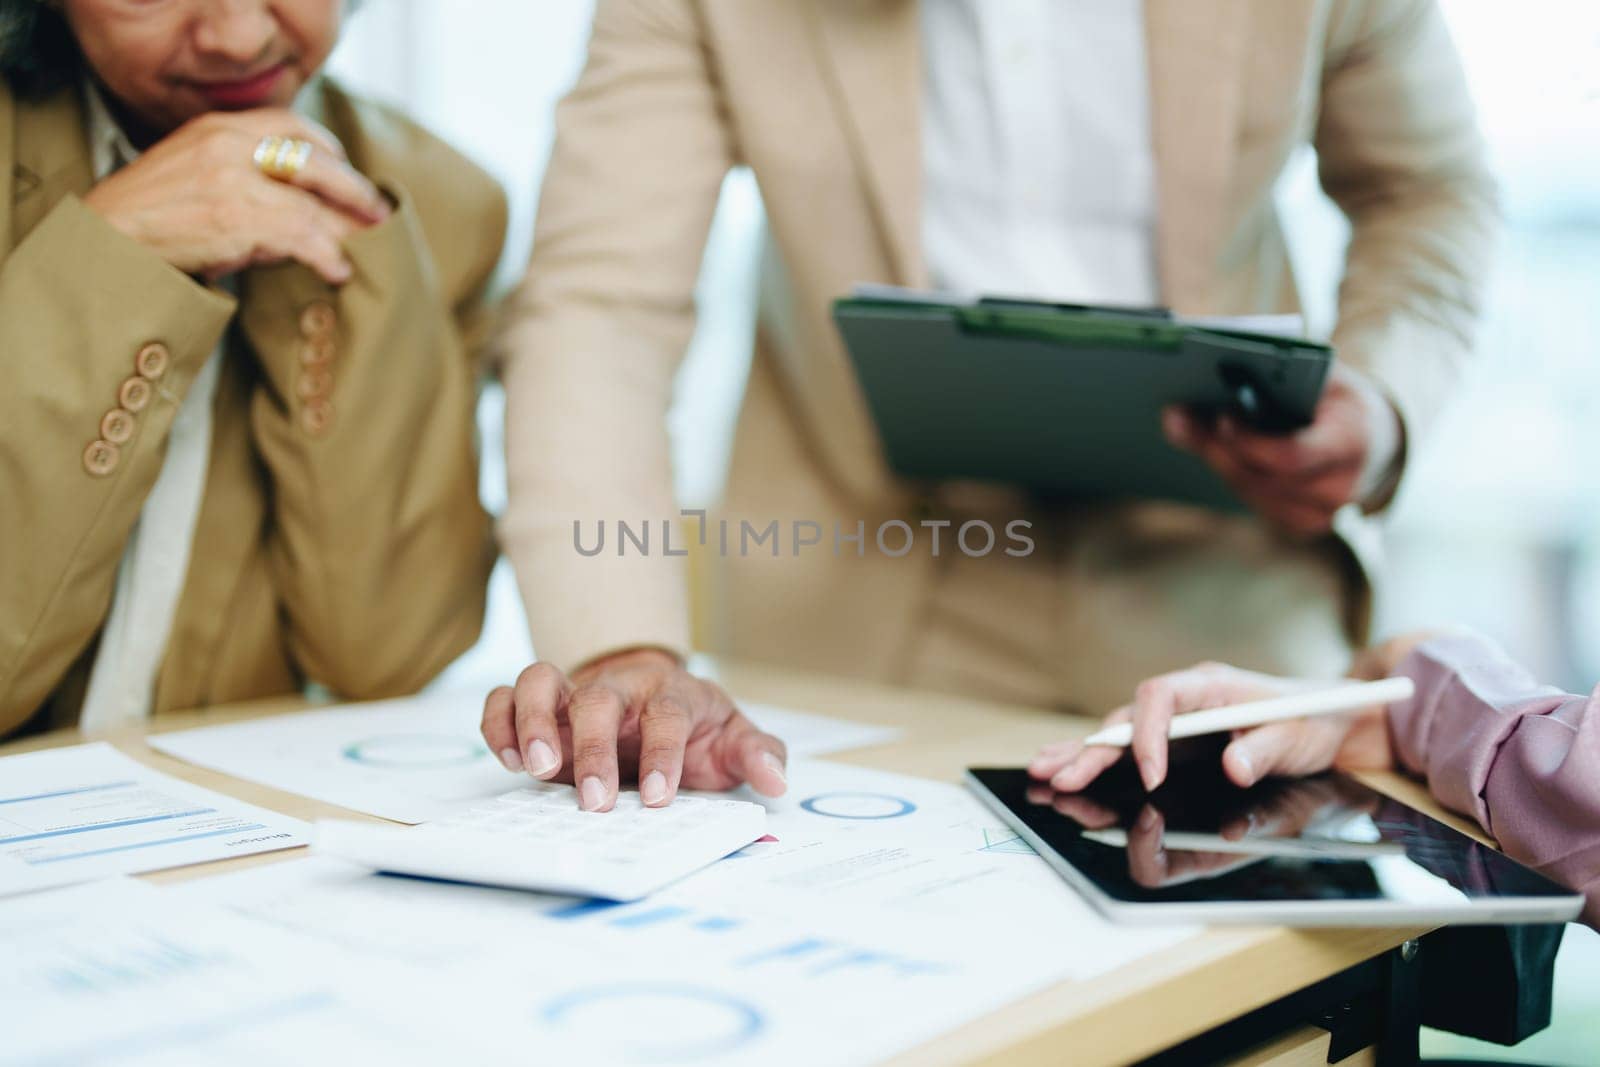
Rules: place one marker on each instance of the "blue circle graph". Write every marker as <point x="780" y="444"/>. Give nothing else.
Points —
<point x="415" y="751"/>
<point x="889" y="807"/>
<point x="743" y="1021"/>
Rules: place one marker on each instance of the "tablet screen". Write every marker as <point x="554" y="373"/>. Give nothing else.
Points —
<point x="1201" y="840"/>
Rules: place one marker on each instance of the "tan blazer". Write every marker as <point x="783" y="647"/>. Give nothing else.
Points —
<point x="820" y="98"/>
<point x="340" y="539"/>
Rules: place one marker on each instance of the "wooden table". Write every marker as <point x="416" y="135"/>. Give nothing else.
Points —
<point x="1142" y="1009"/>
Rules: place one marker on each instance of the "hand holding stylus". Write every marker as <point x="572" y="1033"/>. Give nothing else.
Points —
<point x="1273" y="735"/>
<point x="1348" y="696"/>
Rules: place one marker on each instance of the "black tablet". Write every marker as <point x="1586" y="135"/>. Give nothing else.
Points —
<point x="1320" y="851"/>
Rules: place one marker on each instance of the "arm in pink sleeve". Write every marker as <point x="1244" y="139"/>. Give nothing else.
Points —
<point x="1521" y="758"/>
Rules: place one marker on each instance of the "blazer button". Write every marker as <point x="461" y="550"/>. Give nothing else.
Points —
<point x="135" y="395"/>
<point x="316" y="352"/>
<point x="117" y="426"/>
<point x="153" y="360"/>
<point x="318" y="319"/>
<point x="101" y="458"/>
<point x="316" y="417"/>
<point x="313" y="384"/>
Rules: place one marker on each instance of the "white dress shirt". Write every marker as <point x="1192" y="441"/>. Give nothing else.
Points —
<point x="1038" y="166"/>
<point x="1039" y="177"/>
<point x="156" y="557"/>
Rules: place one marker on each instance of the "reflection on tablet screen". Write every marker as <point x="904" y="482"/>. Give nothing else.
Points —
<point x="1200" y="839"/>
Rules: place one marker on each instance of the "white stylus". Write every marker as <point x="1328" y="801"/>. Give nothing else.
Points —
<point x="1261" y="712"/>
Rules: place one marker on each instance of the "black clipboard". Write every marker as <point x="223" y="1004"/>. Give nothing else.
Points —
<point x="1065" y="400"/>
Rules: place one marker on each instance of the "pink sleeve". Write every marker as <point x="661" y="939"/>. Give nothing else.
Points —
<point x="1521" y="758"/>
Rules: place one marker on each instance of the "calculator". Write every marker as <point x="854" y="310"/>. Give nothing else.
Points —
<point x="537" y="838"/>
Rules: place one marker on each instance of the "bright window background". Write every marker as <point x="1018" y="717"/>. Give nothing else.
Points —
<point x="1498" y="527"/>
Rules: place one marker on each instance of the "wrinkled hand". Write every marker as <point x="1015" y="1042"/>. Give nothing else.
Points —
<point x="1300" y="480"/>
<point x="638" y="715"/>
<point x="1352" y="741"/>
<point x="197" y="199"/>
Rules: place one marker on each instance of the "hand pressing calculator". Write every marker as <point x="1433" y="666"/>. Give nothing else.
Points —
<point x="537" y="838"/>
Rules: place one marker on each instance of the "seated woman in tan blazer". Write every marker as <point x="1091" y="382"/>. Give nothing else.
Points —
<point x="239" y="310"/>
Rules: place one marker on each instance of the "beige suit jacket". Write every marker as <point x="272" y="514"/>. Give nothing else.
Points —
<point x="820" y="98"/>
<point x="340" y="539"/>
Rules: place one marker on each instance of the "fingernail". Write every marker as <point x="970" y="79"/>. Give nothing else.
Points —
<point x="541" y="759"/>
<point x="592" y="794"/>
<point x="1247" y="768"/>
<point x="1148" y="817"/>
<point x="653" y="790"/>
<point x="1149" y="773"/>
<point x="509" y="757"/>
<point x="775" y="765"/>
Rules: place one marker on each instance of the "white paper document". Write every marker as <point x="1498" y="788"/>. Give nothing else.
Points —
<point x="879" y="912"/>
<point x="409" y="760"/>
<point x="106" y="896"/>
<point x="417" y="759"/>
<point x="836" y="801"/>
<point x="538" y="838"/>
<point x="74" y="814"/>
<point x="109" y="974"/>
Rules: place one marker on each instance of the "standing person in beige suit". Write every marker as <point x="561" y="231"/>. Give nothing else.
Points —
<point x="1086" y="150"/>
<point x="236" y="443"/>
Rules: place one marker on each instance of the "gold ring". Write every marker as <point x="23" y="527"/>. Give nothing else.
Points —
<point x="282" y="158"/>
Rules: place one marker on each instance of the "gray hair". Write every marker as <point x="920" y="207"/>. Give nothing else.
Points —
<point x="37" y="51"/>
